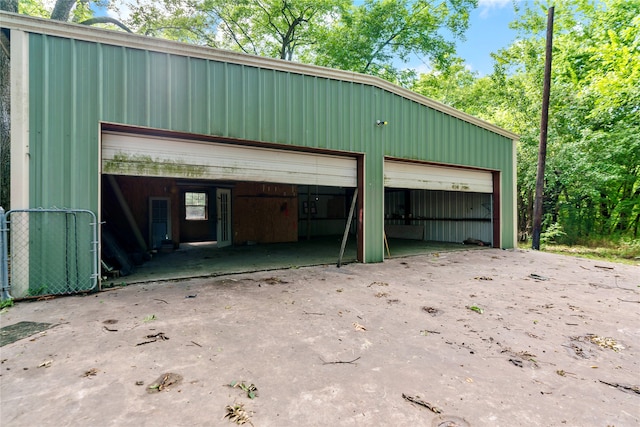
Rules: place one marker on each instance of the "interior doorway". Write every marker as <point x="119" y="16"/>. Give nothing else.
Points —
<point x="159" y="221"/>
<point x="223" y="208"/>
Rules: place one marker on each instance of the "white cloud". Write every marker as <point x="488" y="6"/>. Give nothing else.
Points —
<point x="486" y="6"/>
<point x="421" y="69"/>
<point x="493" y="3"/>
<point x="120" y="10"/>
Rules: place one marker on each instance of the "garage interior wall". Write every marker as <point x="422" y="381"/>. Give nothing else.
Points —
<point x="136" y="192"/>
<point x="265" y="207"/>
<point x="80" y="78"/>
<point x="262" y="212"/>
<point x="322" y="210"/>
<point x="443" y="216"/>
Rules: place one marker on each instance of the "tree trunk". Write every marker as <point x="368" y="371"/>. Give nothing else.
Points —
<point x="522" y="218"/>
<point x="62" y="10"/>
<point x="605" y="214"/>
<point x="9" y="5"/>
<point x="5" y="109"/>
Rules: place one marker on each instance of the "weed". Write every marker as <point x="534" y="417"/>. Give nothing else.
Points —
<point x="553" y="232"/>
<point x="251" y="389"/>
<point x="476" y="309"/>
<point x="34" y="292"/>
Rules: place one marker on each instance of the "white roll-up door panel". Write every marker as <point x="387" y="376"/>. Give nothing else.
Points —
<point x="141" y="155"/>
<point x="430" y="177"/>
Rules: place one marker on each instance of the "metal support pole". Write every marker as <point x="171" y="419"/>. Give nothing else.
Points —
<point x="347" y="227"/>
<point x="4" y="257"/>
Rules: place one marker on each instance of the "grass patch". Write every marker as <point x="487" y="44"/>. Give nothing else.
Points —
<point x="625" y="252"/>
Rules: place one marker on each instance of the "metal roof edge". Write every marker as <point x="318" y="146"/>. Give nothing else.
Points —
<point x="119" y="38"/>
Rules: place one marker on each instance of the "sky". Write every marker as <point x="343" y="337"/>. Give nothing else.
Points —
<point x="488" y="32"/>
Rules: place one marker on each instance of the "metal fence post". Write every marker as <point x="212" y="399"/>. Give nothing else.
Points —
<point x="53" y="252"/>
<point x="4" y="258"/>
<point x="95" y="249"/>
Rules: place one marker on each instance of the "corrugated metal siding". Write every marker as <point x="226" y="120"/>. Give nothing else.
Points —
<point x="374" y="175"/>
<point x="425" y="134"/>
<point x="447" y="216"/>
<point x="63" y="121"/>
<point x="449" y="140"/>
<point x="75" y="84"/>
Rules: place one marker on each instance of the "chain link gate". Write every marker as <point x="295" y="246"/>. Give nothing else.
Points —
<point x="48" y="252"/>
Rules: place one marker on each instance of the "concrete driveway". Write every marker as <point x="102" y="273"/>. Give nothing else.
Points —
<point x="472" y="338"/>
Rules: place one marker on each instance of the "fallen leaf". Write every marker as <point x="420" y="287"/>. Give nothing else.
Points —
<point x="90" y="373"/>
<point x="237" y="414"/>
<point x="358" y="327"/>
<point x="431" y="310"/>
<point x="476" y="309"/>
<point x="164" y="382"/>
<point x="605" y="342"/>
<point x="378" y="284"/>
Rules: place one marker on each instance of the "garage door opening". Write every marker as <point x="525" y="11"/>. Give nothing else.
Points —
<point x="439" y="205"/>
<point x="439" y="216"/>
<point x="161" y="222"/>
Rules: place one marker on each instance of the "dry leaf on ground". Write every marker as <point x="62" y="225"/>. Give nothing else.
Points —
<point x="358" y="327"/>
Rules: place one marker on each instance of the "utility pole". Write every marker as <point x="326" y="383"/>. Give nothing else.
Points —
<point x="544" y="122"/>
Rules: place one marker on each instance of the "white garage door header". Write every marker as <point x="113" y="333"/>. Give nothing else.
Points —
<point x="142" y="155"/>
<point x="430" y="177"/>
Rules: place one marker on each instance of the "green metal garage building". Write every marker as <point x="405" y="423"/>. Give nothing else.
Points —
<point x="184" y="143"/>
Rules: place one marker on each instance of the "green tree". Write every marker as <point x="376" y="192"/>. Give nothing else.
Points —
<point x="596" y="122"/>
<point x="78" y="11"/>
<point x="592" y="184"/>
<point x="32" y="8"/>
<point x="368" y="38"/>
<point x="273" y="28"/>
<point x="5" y="110"/>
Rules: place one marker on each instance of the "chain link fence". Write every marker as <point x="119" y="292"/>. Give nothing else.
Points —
<point x="48" y="252"/>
